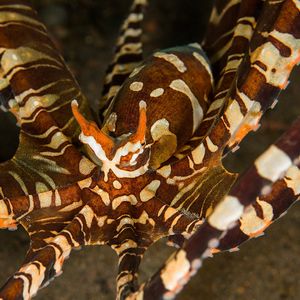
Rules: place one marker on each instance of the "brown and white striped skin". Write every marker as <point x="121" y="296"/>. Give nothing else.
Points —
<point x="42" y="88"/>
<point x="34" y="207"/>
<point x="267" y="208"/>
<point x="274" y="188"/>
<point x="154" y="168"/>
<point x="176" y="85"/>
<point x="242" y="215"/>
<point x="128" y="54"/>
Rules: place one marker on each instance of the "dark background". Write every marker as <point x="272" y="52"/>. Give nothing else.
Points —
<point x="264" y="268"/>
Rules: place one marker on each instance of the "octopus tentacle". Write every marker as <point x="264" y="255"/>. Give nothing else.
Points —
<point x="45" y="263"/>
<point x="223" y="229"/>
<point x="128" y="54"/>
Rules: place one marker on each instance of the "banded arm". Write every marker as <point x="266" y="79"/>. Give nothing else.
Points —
<point x="97" y="223"/>
<point x="218" y="233"/>
<point x="135" y="234"/>
<point x="42" y="88"/>
<point x="47" y="254"/>
<point x="266" y="209"/>
<point x="128" y="54"/>
<point x="257" y="182"/>
<point x="283" y="178"/>
<point x="229" y="32"/>
<point x="191" y="194"/>
<point x="263" y="73"/>
<point x="28" y="52"/>
<point x="257" y="84"/>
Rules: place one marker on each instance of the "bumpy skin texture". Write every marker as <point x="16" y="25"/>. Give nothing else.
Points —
<point x="153" y="169"/>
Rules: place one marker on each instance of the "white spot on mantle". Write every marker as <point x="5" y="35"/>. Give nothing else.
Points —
<point x="157" y="92"/>
<point x="136" y="86"/>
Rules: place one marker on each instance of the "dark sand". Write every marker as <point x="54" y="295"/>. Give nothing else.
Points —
<point x="264" y="268"/>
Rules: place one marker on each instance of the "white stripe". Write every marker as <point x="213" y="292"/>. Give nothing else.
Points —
<point x="180" y="86"/>
<point x="273" y="163"/>
<point x="172" y="59"/>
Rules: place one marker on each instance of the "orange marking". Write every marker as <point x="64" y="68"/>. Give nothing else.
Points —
<point x="215" y="250"/>
<point x="8" y="224"/>
<point x="289" y="67"/>
<point x="61" y="262"/>
<point x="91" y="129"/>
<point x="142" y="126"/>
<point x="284" y="85"/>
<point x="245" y="129"/>
<point x="260" y="231"/>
